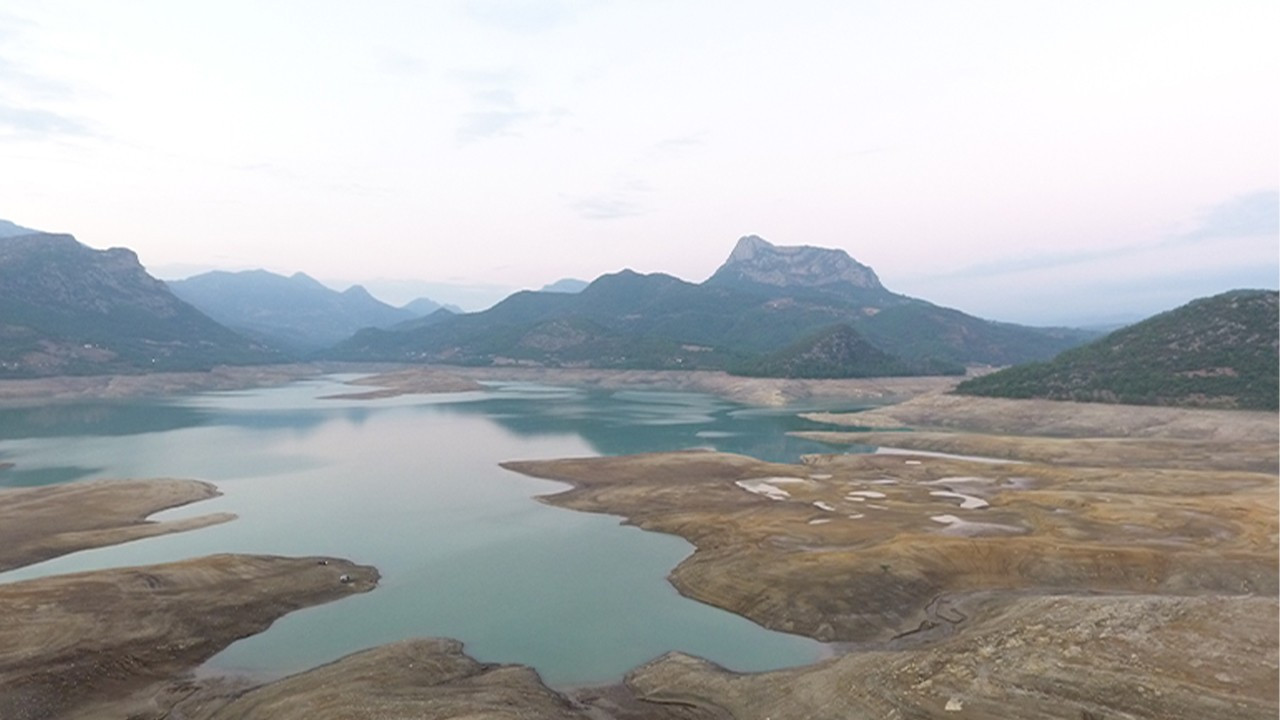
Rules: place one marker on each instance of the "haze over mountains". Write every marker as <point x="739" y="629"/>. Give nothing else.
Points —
<point x="767" y="311"/>
<point x="296" y="313"/>
<point x="763" y="299"/>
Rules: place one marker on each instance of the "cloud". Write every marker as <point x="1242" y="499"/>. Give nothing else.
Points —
<point x="605" y="207"/>
<point x="401" y="64"/>
<point x="487" y="124"/>
<point x="1256" y="213"/>
<point x="28" y="123"/>
<point x="678" y="145"/>
<point x="495" y="107"/>
<point x="1250" y="215"/>
<point x="523" y="16"/>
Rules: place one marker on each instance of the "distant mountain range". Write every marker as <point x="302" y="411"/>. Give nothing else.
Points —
<point x="1221" y="351"/>
<point x="763" y="300"/>
<point x="8" y="229"/>
<point x="295" y="313"/>
<point x="566" y="285"/>
<point x="422" y="307"/>
<point x="767" y="311"/>
<point x="66" y="309"/>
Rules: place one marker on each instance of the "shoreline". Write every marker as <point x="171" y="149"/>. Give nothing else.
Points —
<point x="1181" y="533"/>
<point x="391" y="380"/>
<point x="760" y="392"/>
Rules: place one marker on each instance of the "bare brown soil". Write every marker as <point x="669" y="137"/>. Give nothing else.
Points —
<point x="77" y="644"/>
<point x="410" y="381"/>
<point x="71" y="388"/>
<point x="751" y="391"/>
<point x="1075" y="657"/>
<point x="1051" y="418"/>
<point x="1081" y="452"/>
<point x="44" y="522"/>
<point x="413" y="678"/>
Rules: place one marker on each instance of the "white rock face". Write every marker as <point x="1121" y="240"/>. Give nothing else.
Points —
<point x="757" y="260"/>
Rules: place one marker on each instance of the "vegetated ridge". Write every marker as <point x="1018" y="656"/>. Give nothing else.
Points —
<point x="424" y="306"/>
<point x="66" y="309"/>
<point x="837" y="352"/>
<point x="566" y="285"/>
<point x="296" y="313"/>
<point x="764" y="300"/>
<point x="1221" y="351"/>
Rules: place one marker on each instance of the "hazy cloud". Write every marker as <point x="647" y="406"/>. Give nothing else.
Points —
<point x="677" y="145"/>
<point x="495" y="108"/>
<point x="605" y="207"/>
<point x="489" y="124"/>
<point x="523" y="16"/>
<point x="401" y="64"/>
<point x="1250" y="215"/>
<point x="1246" y="215"/>
<point x="26" y="123"/>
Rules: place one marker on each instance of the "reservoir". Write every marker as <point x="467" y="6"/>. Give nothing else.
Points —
<point x="412" y="486"/>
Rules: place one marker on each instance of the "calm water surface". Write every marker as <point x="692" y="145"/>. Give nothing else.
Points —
<point x="412" y="486"/>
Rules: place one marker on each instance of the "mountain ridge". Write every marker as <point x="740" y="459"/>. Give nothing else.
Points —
<point x="762" y="299"/>
<point x="1221" y="351"/>
<point x="296" y="313"/>
<point x="69" y="309"/>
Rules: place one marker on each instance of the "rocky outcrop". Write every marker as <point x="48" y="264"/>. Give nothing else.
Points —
<point x="414" y="678"/>
<point x="756" y="260"/>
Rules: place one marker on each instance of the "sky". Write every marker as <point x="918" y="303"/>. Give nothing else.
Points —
<point x="1040" y="162"/>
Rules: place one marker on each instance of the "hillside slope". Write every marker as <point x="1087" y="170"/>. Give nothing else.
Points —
<point x="763" y="300"/>
<point x="296" y="313"/>
<point x="66" y="309"/>
<point x="1220" y="351"/>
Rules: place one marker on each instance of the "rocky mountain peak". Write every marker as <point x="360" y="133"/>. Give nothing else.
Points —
<point x="756" y="260"/>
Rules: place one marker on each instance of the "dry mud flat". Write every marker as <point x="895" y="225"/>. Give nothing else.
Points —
<point x="751" y="391"/>
<point x="96" y="387"/>
<point x="1139" y="582"/>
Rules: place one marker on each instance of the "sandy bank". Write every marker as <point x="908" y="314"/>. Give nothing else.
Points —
<point x="40" y="523"/>
<point x="71" y="388"/>
<point x="97" y="643"/>
<point x="749" y="391"/>
<point x="1051" y="418"/>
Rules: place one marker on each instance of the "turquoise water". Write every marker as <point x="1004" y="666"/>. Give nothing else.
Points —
<point x="412" y="486"/>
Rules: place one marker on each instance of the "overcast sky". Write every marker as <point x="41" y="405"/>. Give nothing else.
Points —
<point x="1022" y="160"/>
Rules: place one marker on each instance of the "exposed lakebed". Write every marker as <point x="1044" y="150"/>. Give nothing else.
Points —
<point x="412" y="485"/>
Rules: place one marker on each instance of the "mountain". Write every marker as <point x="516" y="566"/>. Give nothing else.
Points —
<point x="566" y="285"/>
<point x="8" y="229"/>
<point x="761" y="301"/>
<point x="423" y="306"/>
<point x="1221" y="351"/>
<point x="66" y="309"/>
<point x="756" y="263"/>
<point x="836" y="352"/>
<point x="296" y="313"/>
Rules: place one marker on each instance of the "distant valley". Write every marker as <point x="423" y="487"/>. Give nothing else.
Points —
<point x="296" y="313"/>
<point x="66" y="309"/>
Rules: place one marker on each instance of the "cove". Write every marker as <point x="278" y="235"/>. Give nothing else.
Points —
<point x="412" y="486"/>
